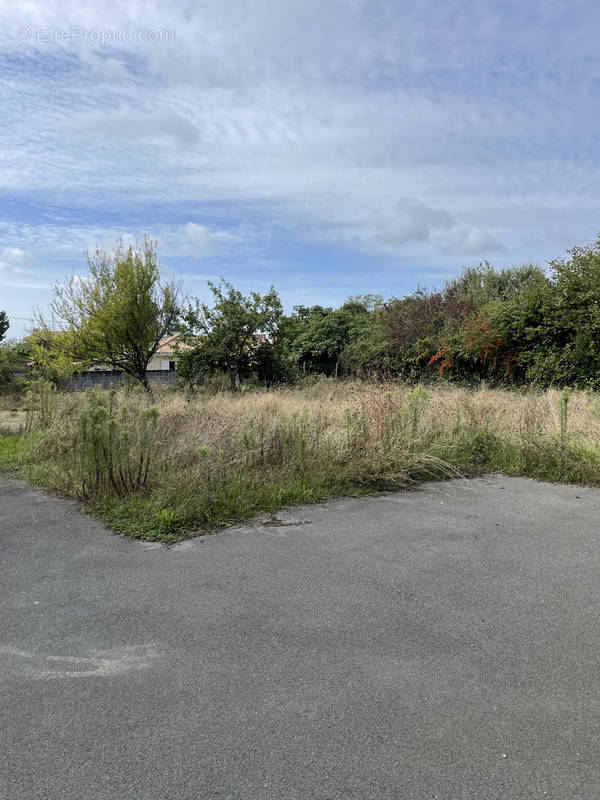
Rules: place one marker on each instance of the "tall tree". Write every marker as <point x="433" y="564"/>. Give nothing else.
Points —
<point x="484" y="284"/>
<point x="118" y="315"/>
<point x="322" y="334"/>
<point x="224" y="335"/>
<point x="4" y="325"/>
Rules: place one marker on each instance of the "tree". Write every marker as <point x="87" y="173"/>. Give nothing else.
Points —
<point x="118" y="315"/>
<point x="370" y="353"/>
<point x="3" y="324"/>
<point x="418" y="325"/>
<point x="224" y="335"/>
<point x="323" y="334"/>
<point x="13" y="359"/>
<point x="273" y="362"/>
<point x="479" y="349"/>
<point x="553" y="325"/>
<point x="577" y="318"/>
<point x="49" y="356"/>
<point x="483" y="284"/>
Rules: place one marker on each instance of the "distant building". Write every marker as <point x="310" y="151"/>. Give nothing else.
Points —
<point x="165" y="359"/>
<point x="162" y="368"/>
<point x="168" y="355"/>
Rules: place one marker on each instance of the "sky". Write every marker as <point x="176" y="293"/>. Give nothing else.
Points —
<point x="328" y="147"/>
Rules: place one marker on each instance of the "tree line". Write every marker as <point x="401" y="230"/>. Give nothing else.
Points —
<point x="520" y="325"/>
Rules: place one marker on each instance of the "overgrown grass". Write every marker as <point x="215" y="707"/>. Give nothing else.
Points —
<point x="16" y="449"/>
<point x="193" y="462"/>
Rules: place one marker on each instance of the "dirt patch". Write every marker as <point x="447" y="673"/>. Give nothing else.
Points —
<point x="275" y="522"/>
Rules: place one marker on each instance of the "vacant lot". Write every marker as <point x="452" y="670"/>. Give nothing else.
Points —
<point x="168" y="466"/>
<point x="437" y="643"/>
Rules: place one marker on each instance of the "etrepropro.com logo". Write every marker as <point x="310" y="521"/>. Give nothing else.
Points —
<point x="77" y="33"/>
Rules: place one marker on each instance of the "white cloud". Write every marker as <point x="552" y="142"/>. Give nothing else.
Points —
<point x="414" y="221"/>
<point x="199" y="243"/>
<point x="477" y="241"/>
<point x="14" y="255"/>
<point x="12" y="273"/>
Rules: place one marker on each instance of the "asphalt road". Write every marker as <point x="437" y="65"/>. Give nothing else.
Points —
<point x="443" y="643"/>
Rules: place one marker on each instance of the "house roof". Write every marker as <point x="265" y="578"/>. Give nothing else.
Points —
<point x="171" y="345"/>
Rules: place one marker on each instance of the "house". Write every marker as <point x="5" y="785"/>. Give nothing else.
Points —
<point x="166" y="358"/>
<point x="161" y="368"/>
<point x="168" y="354"/>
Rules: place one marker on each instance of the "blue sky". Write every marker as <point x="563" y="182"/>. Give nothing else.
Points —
<point x="331" y="148"/>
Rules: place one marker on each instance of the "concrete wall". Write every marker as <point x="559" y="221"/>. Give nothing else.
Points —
<point x="87" y="380"/>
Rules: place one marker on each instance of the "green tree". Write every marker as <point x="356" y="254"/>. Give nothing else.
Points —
<point x="4" y="325"/>
<point x="553" y="324"/>
<point x="576" y="322"/>
<point x="118" y="315"/>
<point x="370" y="353"/>
<point x="323" y="334"/>
<point x="461" y="331"/>
<point x="527" y="324"/>
<point x="51" y="358"/>
<point x="484" y="284"/>
<point x="224" y="336"/>
<point x="273" y="361"/>
<point x="14" y="357"/>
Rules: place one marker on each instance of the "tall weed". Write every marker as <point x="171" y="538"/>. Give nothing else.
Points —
<point x="108" y="451"/>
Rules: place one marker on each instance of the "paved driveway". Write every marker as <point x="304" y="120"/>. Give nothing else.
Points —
<point x="443" y="643"/>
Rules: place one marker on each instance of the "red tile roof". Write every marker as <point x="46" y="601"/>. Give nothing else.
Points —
<point x="171" y="345"/>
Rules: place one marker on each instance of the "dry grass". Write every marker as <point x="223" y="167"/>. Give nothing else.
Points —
<point x="220" y="457"/>
<point x="12" y="421"/>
